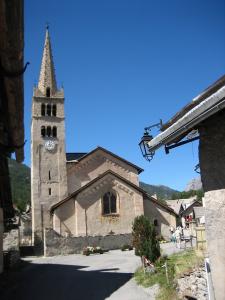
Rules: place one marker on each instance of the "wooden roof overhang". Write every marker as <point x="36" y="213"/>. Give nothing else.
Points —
<point x="11" y="78"/>
<point x="189" y="118"/>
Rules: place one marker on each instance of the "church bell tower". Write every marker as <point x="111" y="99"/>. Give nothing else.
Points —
<point x="48" y="159"/>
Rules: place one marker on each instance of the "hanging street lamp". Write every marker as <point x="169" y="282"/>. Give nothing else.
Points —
<point x="147" y="137"/>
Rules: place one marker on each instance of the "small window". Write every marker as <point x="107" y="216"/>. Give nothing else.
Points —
<point x="43" y="109"/>
<point x="54" y="131"/>
<point x="109" y="203"/>
<point x="49" y="110"/>
<point x="49" y="191"/>
<point x="54" y="110"/>
<point x="48" y="92"/>
<point x="43" y="131"/>
<point x="155" y="222"/>
<point x="49" y="131"/>
<point x="49" y="175"/>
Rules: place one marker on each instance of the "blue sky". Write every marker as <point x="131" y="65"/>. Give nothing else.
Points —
<point x="124" y="65"/>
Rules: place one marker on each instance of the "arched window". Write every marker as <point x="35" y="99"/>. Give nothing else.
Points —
<point x="43" y="131"/>
<point x="49" y="131"/>
<point x="155" y="222"/>
<point x="109" y="203"/>
<point x="43" y="109"/>
<point x="54" y="131"/>
<point x="49" y="110"/>
<point x="48" y="92"/>
<point x="54" y="110"/>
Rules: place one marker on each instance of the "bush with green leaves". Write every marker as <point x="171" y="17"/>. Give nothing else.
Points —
<point x="144" y="239"/>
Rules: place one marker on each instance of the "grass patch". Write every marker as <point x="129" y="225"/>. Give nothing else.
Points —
<point x="177" y="264"/>
<point x="185" y="261"/>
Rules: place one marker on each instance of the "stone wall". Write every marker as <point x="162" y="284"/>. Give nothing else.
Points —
<point x="212" y="165"/>
<point x="11" y="248"/>
<point x="193" y="285"/>
<point x="215" y="236"/>
<point x="54" y="244"/>
<point x="11" y="240"/>
<point x="164" y="218"/>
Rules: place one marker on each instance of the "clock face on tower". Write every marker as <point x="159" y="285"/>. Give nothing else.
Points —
<point x="49" y="145"/>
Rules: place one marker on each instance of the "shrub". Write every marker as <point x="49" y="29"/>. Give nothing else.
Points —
<point x="144" y="239"/>
<point x="92" y="250"/>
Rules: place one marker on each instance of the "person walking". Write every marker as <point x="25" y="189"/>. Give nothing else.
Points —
<point x="178" y="237"/>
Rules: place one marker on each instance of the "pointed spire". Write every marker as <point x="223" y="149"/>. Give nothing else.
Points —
<point x="47" y="74"/>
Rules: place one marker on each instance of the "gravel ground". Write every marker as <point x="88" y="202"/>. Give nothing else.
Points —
<point x="94" y="277"/>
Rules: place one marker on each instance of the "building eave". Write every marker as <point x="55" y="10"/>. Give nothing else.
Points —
<point x="11" y="77"/>
<point x="190" y="120"/>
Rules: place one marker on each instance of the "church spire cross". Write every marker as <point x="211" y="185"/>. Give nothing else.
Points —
<point x="47" y="81"/>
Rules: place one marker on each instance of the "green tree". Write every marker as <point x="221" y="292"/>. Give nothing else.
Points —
<point x="144" y="239"/>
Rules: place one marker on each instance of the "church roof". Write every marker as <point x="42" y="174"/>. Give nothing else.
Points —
<point x="80" y="156"/>
<point x="47" y="77"/>
<point x="74" y="156"/>
<point x="109" y="172"/>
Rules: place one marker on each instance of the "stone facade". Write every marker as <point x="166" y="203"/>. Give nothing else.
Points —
<point x="83" y="215"/>
<point x="162" y="218"/>
<point x="212" y="165"/>
<point x="48" y="165"/>
<point x="93" y="165"/>
<point x="215" y="229"/>
<point x="11" y="240"/>
<point x="58" y="245"/>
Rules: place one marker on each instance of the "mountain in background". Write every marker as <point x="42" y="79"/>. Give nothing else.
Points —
<point x="194" y="185"/>
<point x="163" y="192"/>
<point x="20" y="184"/>
<point x="21" y="194"/>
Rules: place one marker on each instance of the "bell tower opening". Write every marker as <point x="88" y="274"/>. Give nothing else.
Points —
<point x="48" y="92"/>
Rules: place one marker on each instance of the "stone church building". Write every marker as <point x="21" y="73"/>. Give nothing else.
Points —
<point x="81" y="194"/>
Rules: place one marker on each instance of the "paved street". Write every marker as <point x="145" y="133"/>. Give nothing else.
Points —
<point x="106" y="276"/>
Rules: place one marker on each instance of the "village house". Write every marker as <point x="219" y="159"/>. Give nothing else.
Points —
<point x="204" y="115"/>
<point x="81" y="198"/>
<point x="185" y="209"/>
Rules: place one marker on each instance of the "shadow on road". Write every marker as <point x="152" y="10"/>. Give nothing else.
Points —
<point x="59" y="282"/>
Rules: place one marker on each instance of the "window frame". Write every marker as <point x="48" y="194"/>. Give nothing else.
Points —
<point x="54" y="110"/>
<point x="110" y="213"/>
<point x="48" y="92"/>
<point x="43" y="109"/>
<point x="43" y="131"/>
<point x="54" y="132"/>
<point x="48" y="110"/>
<point x="155" y="223"/>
